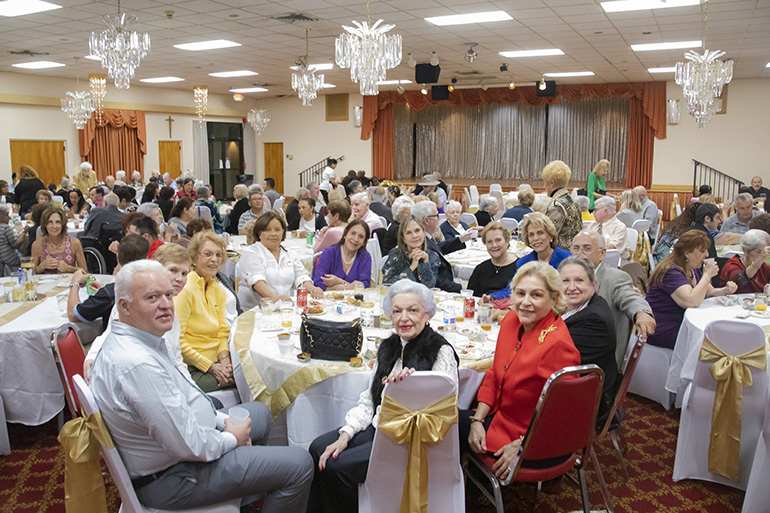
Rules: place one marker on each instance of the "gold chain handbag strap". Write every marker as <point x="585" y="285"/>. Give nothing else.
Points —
<point x="307" y="331"/>
<point x="356" y="323"/>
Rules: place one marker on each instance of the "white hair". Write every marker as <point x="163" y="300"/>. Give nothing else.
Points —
<point x="486" y="201"/>
<point x="255" y="187"/>
<point x="86" y="166"/>
<point x="111" y="200"/>
<point x="524" y="187"/>
<point x="598" y="236"/>
<point x="4" y="209"/>
<point x="136" y="174"/>
<point x="120" y="175"/>
<point x="583" y="203"/>
<point x="437" y="175"/>
<point x="754" y="239"/>
<point x="423" y="209"/>
<point x="400" y="205"/>
<point x="361" y="196"/>
<point x="407" y="286"/>
<point x="378" y="194"/>
<point x="124" y="281"/>
<point x="149" y="209"/>
<point x="240" y="191"/>
<point x="744" y="197"/>
<point x="605" y="202"/>
<point x="66" y="182"/>
<point x="166" y="175"/>
<point x="453" y="204"/>
<point x="302" y="192"/>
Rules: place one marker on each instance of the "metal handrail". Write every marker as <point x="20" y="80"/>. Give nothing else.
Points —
<point x="313" y="173"/>
<point x="722" y="185"/>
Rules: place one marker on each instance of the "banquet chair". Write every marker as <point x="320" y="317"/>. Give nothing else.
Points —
<point x="495" y="187"/>
<point x="612" y="258"/>
<point x="510" y="223"/>
<point x="279" y="204"/>
<point x="734" y="338"/>
<point x="649" y="379"/>
<point x="498" y="195"/>
<point x="448" y="191"/>
<point x="69" y="357"/>
<point x="5" y="444"/>
<point x="468" y="219"/>
<point x="383" y="221"/>
<point x="564" y="423"/>
<point x="474" y="195"/>
<point x="657" y="228"/>
<point x="382" y="261"/>
<point x="375" y="251"/>
<point x="633" y="239"/>
<point x="203" y="212"/>
<point x="728" y="255"/>
<point x="641" y="225"/>
<point x="441" y="217"/>
<point x="229" y="396"/>
<point x="382" y="490"/>
<point x="119" y="472"/>
<point x="757" y="492"/>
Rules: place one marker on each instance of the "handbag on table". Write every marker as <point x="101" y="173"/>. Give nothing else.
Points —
<point x="329" y="340"/>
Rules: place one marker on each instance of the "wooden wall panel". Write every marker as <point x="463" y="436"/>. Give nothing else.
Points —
<point x="45" y="157"/>
<point x="170" y="157"/>
<point x="274" y="164"/>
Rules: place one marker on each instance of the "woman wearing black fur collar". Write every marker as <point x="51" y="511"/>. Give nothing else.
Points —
<point x="342" y="457"/>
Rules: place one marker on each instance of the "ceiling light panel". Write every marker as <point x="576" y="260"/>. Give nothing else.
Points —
<point x="38" y="65"/>
<point x="464" y="19"/>
<point x="532" y="53"/>
<point x="570" y="74"/>
<point x="214" y="44"/>
<point x="230" y="74"/>
<point x="670" y="69"/>
<point x="317" y="67"/>
<point x="677" y="45"/>
<point x="641" y="5"/>
<point x="243" y="90"/>
<point x="394" y="82"/>
<point x="12" y="8"/>
<point x="161" y="80"/>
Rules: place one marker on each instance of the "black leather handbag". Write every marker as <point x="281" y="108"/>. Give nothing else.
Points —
<point x="328" y="340"/>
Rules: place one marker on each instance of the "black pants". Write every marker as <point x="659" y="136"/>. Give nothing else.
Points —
<point x="335" y="489"/>
<point x="325" y="194"/>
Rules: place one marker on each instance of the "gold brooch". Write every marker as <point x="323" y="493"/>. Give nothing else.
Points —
<point x="545" y="332"/>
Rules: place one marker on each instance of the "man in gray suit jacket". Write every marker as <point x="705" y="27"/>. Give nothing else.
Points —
<point x="616" y="287"/>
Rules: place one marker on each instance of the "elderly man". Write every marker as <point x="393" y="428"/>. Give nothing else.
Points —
<point x="616" y="287"/>
<point x="430" y="184"/>
<point x="757" y="191"/>
<point x="96" y="195"/>
<point x="256" y="202"/>
<point x="109" y="183"/>
<point x="169" y="182"/>
<point x="359" y="204"/>
<point x="179" y="451"/>
<point x="108" y="215"/>
<point x="738" y="223"/>
<point x="315" y="193"/>
<point x="427" y="213"/>
<point x="649" y="210"/>
<point x="378" y="204"/>
<point x="612" y="228"/>
<point x="354" y="187"/>
<point x="64" y="191"/>
<point x="292" y="209"/>
<point x="85" y="178"/>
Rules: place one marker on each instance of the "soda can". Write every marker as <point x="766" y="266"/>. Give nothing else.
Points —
<point x="302" y="297"/>
<point x="470" y="308"/>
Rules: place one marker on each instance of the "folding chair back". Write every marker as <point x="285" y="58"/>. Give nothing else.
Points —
<point x="69" y="357"/>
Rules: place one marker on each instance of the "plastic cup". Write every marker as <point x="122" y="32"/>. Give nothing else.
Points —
<point x="466" y="293"/>
<point x="62" y="300"/>
<point x="285" y="347"/>
<point x="238" y="415"/>
<point x="267" y="306"/>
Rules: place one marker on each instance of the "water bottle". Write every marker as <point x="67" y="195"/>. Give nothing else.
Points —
<point x="2" y="200"/>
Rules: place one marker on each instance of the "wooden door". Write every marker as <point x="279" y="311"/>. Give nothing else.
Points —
<point x="274" y="164"/>
<point x="170" y="157"/>
<point x="45" y="157"/>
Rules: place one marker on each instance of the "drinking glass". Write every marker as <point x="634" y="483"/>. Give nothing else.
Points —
<point x="267" y="306"/>
<point x="286" y="317"/>
<point x="485" y="317"/>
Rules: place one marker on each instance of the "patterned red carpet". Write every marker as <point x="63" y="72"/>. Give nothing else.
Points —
<point x="31" y="478"/>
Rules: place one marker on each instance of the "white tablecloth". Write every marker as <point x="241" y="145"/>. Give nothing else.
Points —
<point x="29" y="382"/>
<point x="322" y="406"/>
<point x="297" y="247"/>
<point x="690" y="338"/>
<point x="465" y="261"/>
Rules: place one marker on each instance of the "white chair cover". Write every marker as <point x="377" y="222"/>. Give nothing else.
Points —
<point x="5" y="444"/>
<point x="495" y="187"/>
<point x="500" y="204"/>
<point x="474" y="195"/>
<point x="203" y="212"/>
<point x="384" y="222"/>
<point x="651" y="372"/>
<point x="510" y="223"/>
<point x="448" y="191"/>
<point x="640" y="225"/>
<point x="758" y="493"/>
<point x="732" y="337"/>
<point x="468" y="219"/>
<point x="633" y="238"/>
<point x="373" y="247"/>
<point x="279" y="204"/>
<point x="612" y="258"/>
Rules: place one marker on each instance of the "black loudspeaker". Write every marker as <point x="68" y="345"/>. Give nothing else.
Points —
<point x="549" y="91"/>
<point x="439" y="92"/>
<point x="426" y="73"/>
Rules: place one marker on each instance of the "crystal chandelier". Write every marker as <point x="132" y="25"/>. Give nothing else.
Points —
<point x="78" y="105"/>
<point x="98" y="92"/>
<point x="702" y="79"/>
<point x="258" y="120"/>
<point x="305" y="81"/>
<point x="369" y="53"/>
<point x="119" y="48"/>
<point x="201" y="96"/>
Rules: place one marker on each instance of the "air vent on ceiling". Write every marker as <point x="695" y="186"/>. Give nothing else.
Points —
<point x="295" y="17"/>
<point x="467" y="73"/>
<point x="29" y="53"/>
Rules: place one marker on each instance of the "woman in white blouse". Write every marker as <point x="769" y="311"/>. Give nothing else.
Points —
<point x="341" y="457"/>
<point x="267" y="270"/>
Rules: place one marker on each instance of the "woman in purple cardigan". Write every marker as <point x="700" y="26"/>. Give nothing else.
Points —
<point x="341" y="266"/>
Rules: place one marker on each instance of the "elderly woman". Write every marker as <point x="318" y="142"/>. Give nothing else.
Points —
<point x="595" y="187"/>
<point x="583" y="204"/>
<point x="42" y="197"/>
<point x="496" y="273"/>
<point x="411" y="258"/>
<point x="347" y="263"/>
<point x="267" y="270"/>
<point x="341" y="456"/>
<point x="487" y="209"/>
<point x="182" y="213"/>
<point x="79" y="205"/>
<point x="453" y="227"/>
<point x="338" y="214"/>
<point x="678" y="284"/>
<point x="241" y="194"/>
<point x="55" y="252"/>
<point x="526" y="199"/>
<point x="533" y="344"/>
<point x="200" y="306"/>
<point x="187" y="190"/>
<point x="136" y="180"/>
<point x="591" y="325"/>
<point x="562" y="210"/>
<point x="9" y="243"/>
<point x="749" y="271"/>
<point x="26" y="189"/>
<point x="630" y="208"/>
<point x="204" y="200"/>
<point x="401" y="208"/>
<point x="309" y="221"/>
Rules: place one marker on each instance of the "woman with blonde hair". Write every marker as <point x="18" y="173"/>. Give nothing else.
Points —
<point x="26" y="189"/>
<point x="562" y="211"/>
<point x="630" y="208"/>
<point x="596" y="186"/>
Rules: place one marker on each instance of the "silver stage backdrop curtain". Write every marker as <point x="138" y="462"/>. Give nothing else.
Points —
<point x="510" y="142"/>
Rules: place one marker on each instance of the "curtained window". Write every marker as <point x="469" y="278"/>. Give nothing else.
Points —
<point x="118" y="143"/>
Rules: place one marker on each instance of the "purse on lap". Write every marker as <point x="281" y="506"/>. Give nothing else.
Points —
<point x="328" y="340"/>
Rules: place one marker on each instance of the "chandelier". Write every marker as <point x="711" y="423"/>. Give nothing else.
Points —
<point x="305" y="81"/>
<point x="369" y="53"/>
<point x="119" y="48"/>
<point x="79" y="105"/>
<point x="98" y="92"/>
<point x="702" y="79"/>
<point x="258" y="120"/>
<point x="201" y="97"/>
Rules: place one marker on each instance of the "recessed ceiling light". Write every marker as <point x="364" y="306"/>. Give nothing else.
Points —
<point x="239" y="73"/>
<point x="328" y="85"/>
<point x="640" y="5"/>
<point x="394" y="82"/>
<point x="768" y="65"/>
<point x="38" y="65"/>
<point x="324" y="66"/>
<point x="570" y="74"/>
<point x="474" y="17"/>
<point x="21" y="7"/>
<point x="207" y="45"/>
<point x="248" y="90"/>
<point x="670" y="69"/>
<point x="161" y="80"/>
<point x="93" y="58"/>
<point x="532" y="53"/>
<point x="678" y="45"/>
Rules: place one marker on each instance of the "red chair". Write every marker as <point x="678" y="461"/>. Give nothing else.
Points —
<point x="564" y="424"/>
<point x="69" y="357"/>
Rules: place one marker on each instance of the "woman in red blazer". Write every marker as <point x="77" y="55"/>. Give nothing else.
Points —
<point x="533" y="344"/>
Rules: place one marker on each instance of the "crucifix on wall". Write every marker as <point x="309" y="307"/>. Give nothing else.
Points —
<point x="170" y="120"/>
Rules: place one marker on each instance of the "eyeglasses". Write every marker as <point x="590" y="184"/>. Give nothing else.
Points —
<point x="208" y="255"/>
<point x="434" y="215"/>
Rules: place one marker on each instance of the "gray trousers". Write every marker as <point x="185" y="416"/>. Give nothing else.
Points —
<point x="284" y="474"/>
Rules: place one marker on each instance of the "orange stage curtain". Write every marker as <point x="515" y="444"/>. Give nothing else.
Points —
<point x="648" y="117"/>
<point x="119" y="142"/>
<point x="382" y="145"/>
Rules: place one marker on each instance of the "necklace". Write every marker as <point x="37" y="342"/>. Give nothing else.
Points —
<point x="497" y="269"/>
<point x="346" y="261"/>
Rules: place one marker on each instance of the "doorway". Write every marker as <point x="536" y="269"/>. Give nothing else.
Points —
<point x="225" y="156"/>
<point x="274" y="164"/>
<point x="169" y="158"/>
<point x="45" y="157"/>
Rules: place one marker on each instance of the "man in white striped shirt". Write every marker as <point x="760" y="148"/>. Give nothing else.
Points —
<point x="179" y="451"/>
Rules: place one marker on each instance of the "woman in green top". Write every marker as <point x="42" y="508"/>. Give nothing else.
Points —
<point x="596" y="182"/>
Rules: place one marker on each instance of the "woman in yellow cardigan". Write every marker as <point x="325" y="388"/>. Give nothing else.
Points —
<point x="201" y="311"/>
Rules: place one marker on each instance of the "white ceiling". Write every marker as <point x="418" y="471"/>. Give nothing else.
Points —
<point x="591" y="39"/>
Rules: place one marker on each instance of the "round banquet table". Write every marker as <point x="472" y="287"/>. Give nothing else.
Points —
<point x="29" y="382"/>
<point x="690" y="338"/>
<point x="313" y="398"/>
<point x="465" y="261"/>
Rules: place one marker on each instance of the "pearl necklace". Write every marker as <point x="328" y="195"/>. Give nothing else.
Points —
<point x="347" y="262"/>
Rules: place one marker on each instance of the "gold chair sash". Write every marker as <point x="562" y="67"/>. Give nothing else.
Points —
<point x="83" y="483"/>
<point x="732" y="373"/>
<point x="418" y="429"/>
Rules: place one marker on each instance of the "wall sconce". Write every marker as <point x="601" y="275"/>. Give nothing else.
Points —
<point x="358" y="116"/>
<point x="672" y="112"/>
